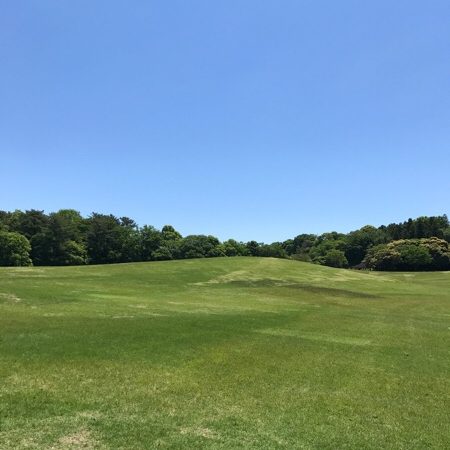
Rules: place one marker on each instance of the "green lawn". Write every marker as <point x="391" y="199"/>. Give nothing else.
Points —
<point x="223" y="353"/>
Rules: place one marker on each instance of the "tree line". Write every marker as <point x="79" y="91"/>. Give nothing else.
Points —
<point x="65" y="237"/>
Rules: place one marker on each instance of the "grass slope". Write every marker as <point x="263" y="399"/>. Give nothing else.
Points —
<point x="223" y="353"/>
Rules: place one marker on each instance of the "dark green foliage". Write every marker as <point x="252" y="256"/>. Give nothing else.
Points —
<point x="357" y="244"/>
<point x="73" y="253"/>
<point x="382" y="257"/>
<point x="170" y="234"/>
<point x="422" y="227"/>
<point x="104" y="239"/>
<point x="326" y="243"/>
<point x="410" y="254"/>
<point x="439" y="250"/>
<point x="359" y="241"/>
<point x="31" y="222"/>
<point x="200" y="246"/>
<point x="57" y="239"/>
<point x="163" y="253"/>
<point x="446" y="234"/>
<point x="66" y="238"/>
<point x="335" y="258"/>
<point x="415" y="257"/>
<point x="299" y="247"/>
<point x="151" y="240"/>
<point x="305" y="257"/>
<point x="14" y="249"/>
<point x="234" y="248"/>
<point x="112" y="240"/>
<point x="170" y="244"/>
<point x="274" y="250"/>
<point x="253" y="248"/>
<point x="130" y="240"/>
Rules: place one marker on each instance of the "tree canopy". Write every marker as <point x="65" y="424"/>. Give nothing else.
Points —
<point x="410" y="254"/>
<point x="14" y="249"/>
<point x="66" y="237"/>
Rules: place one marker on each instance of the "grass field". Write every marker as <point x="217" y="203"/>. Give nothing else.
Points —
<point x="223" y="353"/>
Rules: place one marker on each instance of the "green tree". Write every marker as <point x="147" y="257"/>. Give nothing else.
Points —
<point x="130" y="240"/>
<point x="61" y="240"/>
<point x="324" y="244"/>
<point x="414" y="257"/>
<point x="72" y="253"/>
<point x="170" y="234"/>
<point x="105" y="239"/>
<point x="382" y="257"/>
<point x="200" y="246"/>
<point x="303" y="243"/>
<point x="274" y="250"/>
<point x="163" y="253"/>
<point x="14" y="249"/>
<point x="335" y="258"/>
<point x="446" y="234"/>
<point x="170" y="241"/>
<point x="439" y="250"/>
<point x="233" y="248"/>
<point x="410" y="254"/>
<point x="253" y="248"/>
<point x="151" y="241"/>
<point x="359" y="241"/>
<point x="31" y="222"/>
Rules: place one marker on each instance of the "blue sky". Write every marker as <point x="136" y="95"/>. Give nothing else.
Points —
<point x="246" y="119"/>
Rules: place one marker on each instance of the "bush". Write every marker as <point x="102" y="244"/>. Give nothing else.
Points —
<point x="162" y="254"/>
<point x="415" y="257"/>
<point x="200" y="246"/>
<point x="382" y="257"/>
<point x="410" y="254"/>
<point x="74" y="253"/>
<point x="301" y="257"/>
<point x="335" y="258"/>
<point x="14" y="249"/>
<point x="274" y="250"/>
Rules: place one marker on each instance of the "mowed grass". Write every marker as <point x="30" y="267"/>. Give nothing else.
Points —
<point x="223" y="353"/>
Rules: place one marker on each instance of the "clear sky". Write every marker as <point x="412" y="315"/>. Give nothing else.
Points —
<point x="251" y="119"/>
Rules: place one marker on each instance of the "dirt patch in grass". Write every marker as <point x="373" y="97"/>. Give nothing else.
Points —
<point x="200" y="431"/>
<point x="80" y="439"/>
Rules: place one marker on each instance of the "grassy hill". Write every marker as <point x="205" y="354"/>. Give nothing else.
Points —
<point x="223" y="353"/>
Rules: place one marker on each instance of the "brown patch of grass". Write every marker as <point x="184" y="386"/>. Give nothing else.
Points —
<point x="80" y="439"/>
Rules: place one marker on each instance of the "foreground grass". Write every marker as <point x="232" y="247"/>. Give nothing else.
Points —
<point x="223" y="353"/>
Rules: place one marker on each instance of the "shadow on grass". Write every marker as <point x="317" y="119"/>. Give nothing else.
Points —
<point x="323" y="291"/>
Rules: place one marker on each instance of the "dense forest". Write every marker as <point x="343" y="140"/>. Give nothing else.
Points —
<point x="66" y="238"/>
